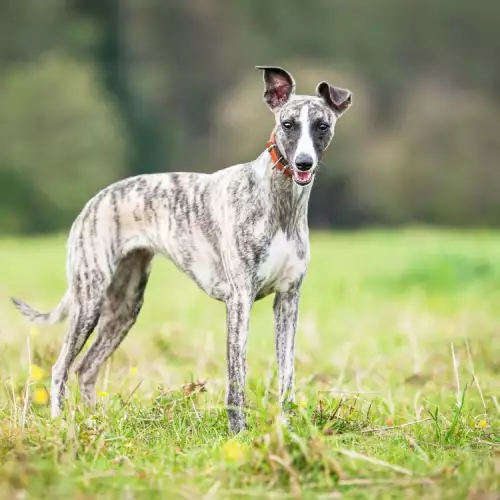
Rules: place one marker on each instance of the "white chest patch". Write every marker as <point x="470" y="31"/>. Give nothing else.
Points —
<point x="282" y="265"/>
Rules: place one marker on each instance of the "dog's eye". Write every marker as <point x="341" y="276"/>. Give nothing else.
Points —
<point x="287" y="124"/>
<point x="323" y="126"/>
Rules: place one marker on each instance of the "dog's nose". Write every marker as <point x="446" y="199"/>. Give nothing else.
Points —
<point x="304" y="162"/>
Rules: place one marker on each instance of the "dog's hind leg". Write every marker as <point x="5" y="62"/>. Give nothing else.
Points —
<point x="122" y="304"/>
<point x="83" y="319"/>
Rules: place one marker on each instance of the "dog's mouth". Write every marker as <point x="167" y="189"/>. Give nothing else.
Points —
<point x="303" y="177"/>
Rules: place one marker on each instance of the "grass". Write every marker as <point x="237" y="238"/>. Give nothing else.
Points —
<point x="398" y="362"/>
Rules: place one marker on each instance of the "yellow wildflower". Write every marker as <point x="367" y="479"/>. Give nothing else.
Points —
<point x="303" y="404"/>
<point x="233" y="451"/>
<point x="133" y="371"/>
<point x="34" y="331"/>
<point x="36" y="373"/>
<point x="102" y="394"/>
<point x="483" y="424"/>
<point x="41" y="396"/>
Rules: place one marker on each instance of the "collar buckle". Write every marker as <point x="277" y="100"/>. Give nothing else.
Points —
<point x="278" y="159"/>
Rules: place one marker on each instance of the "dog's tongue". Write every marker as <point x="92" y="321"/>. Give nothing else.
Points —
<point x="304" y="176"/>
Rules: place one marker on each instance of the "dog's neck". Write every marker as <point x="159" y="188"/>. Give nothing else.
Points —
<point x="289" y="200"/>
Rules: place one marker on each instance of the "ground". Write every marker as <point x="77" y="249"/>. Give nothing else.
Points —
<point x="395" y="328"/>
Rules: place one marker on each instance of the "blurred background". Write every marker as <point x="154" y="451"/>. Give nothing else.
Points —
<point x="95" y="90"/>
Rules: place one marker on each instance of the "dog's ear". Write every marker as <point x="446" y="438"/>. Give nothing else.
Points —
<point x="337" y="98"/>
<point x="279" y="86"/>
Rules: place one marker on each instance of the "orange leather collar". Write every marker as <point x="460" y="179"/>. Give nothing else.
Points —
<point x="278" y="159"/>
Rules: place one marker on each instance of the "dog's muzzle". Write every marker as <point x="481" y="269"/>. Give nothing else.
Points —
<point x="303" y="172"/>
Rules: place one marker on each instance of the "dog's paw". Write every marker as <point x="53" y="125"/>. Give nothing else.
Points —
<point x="236" y="423"/>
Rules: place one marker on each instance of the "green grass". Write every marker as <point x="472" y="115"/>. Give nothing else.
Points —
<point x="383" y="315"/>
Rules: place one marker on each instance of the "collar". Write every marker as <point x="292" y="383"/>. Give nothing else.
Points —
<point x="278" y="159"/>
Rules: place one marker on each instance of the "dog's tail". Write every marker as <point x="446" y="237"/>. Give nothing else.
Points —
<point x="55" y="316"/>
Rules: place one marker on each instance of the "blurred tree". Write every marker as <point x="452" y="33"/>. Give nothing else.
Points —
<point x="440" y="162"/>
<point x="168" y="63"/>
<point x="30" y="28"/>
<point x="60" y="139"/>
<point x="173" y="81"/>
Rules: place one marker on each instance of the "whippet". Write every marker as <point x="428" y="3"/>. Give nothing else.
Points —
<point x="240" y="233"/>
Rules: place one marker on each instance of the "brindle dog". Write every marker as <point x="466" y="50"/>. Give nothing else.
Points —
<point x="241" y="233"/>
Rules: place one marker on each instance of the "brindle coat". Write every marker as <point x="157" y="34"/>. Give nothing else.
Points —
<point x="240" y="233"/>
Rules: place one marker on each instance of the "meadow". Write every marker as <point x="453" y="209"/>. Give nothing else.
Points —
<point x="397" y="365"/>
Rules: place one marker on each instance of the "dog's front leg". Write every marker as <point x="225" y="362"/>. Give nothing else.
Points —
<point x="286" y="307"/>
<point x="238" y="318"/>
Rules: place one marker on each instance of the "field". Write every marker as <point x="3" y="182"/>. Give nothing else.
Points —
<point x="398" y="387"/>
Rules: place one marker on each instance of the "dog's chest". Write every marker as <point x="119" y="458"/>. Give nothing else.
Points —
<point x="284" y="264"/>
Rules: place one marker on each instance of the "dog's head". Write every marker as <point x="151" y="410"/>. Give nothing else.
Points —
<point x="304" y="124"/>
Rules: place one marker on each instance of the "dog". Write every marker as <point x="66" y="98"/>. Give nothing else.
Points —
<point x="240" y="233"/>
